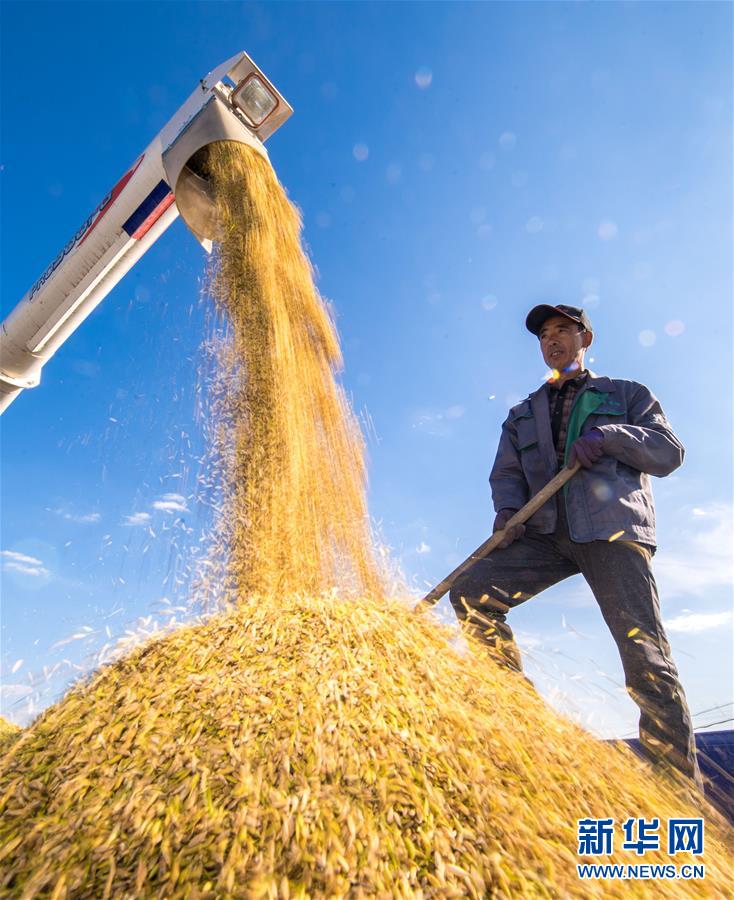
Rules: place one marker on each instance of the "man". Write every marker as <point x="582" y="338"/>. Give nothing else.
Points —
<point x="602" y="523"/>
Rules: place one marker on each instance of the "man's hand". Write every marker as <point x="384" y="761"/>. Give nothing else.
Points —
<point x="587" y="449"/>
<point x="517" y="531"/>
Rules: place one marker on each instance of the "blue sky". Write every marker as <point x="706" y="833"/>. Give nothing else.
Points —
<point x="455" y="163"/>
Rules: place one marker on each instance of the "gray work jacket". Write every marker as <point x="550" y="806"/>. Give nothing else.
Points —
<point x="614" y="496"/>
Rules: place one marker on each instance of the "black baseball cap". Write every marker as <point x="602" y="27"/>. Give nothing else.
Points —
<point x="538" y="315"/>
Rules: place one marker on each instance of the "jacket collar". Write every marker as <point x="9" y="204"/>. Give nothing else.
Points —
<point x="600" y="383"/>
<point x="594" y="382"/>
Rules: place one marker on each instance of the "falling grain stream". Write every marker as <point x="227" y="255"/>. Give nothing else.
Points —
<point x="313" y="738"/>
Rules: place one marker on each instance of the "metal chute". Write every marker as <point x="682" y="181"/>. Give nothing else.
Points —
<point x="235" y="102"/>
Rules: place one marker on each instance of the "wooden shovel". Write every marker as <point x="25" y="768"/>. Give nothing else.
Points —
<point x="522" y="515"/>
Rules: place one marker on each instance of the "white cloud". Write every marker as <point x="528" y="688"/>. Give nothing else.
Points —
<point x="15" y="557"/>
<point x="138" y="518"/>
<point x="169" y="506"/>
<point x="171" y="503"/>
<point x="693" y="623"/>
<point x="454" y="412"/>
<point x="423" y="547"/>
<point x="79" y="518"/>
<point x="700" y="557"/>
<point x="23" y="564"/>
<point x="529" y="641"/>
<point x="11" y="692"/>
<point x="25" y="570"/>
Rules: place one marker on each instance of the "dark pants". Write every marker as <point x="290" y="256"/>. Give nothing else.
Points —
<point x="620" y="575"/>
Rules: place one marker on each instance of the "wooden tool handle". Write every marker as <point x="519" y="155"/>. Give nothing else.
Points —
<point x="522" y="515"/>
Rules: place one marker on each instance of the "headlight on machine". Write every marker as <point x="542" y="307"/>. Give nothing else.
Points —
<point x="254" y="99"/>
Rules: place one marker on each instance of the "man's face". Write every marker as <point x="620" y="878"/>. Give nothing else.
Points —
<point x="561" y="343"/>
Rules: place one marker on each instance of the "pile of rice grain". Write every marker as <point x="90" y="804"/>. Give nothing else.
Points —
<point x="316" y="747"/>
<point x="8" y="733"/>
<point x="314" y="738"/>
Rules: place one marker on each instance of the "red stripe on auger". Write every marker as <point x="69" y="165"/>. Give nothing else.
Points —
<point x="154" y="216"/>
<point x="110" y="199"/>
<point x="152" y="208"/>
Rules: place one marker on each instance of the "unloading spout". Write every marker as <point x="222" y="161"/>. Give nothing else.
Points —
<point x="245" y="98"/>
<point x="235" y="102"/>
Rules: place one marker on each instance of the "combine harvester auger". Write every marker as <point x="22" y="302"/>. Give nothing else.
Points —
<point x="235" y="102"/>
